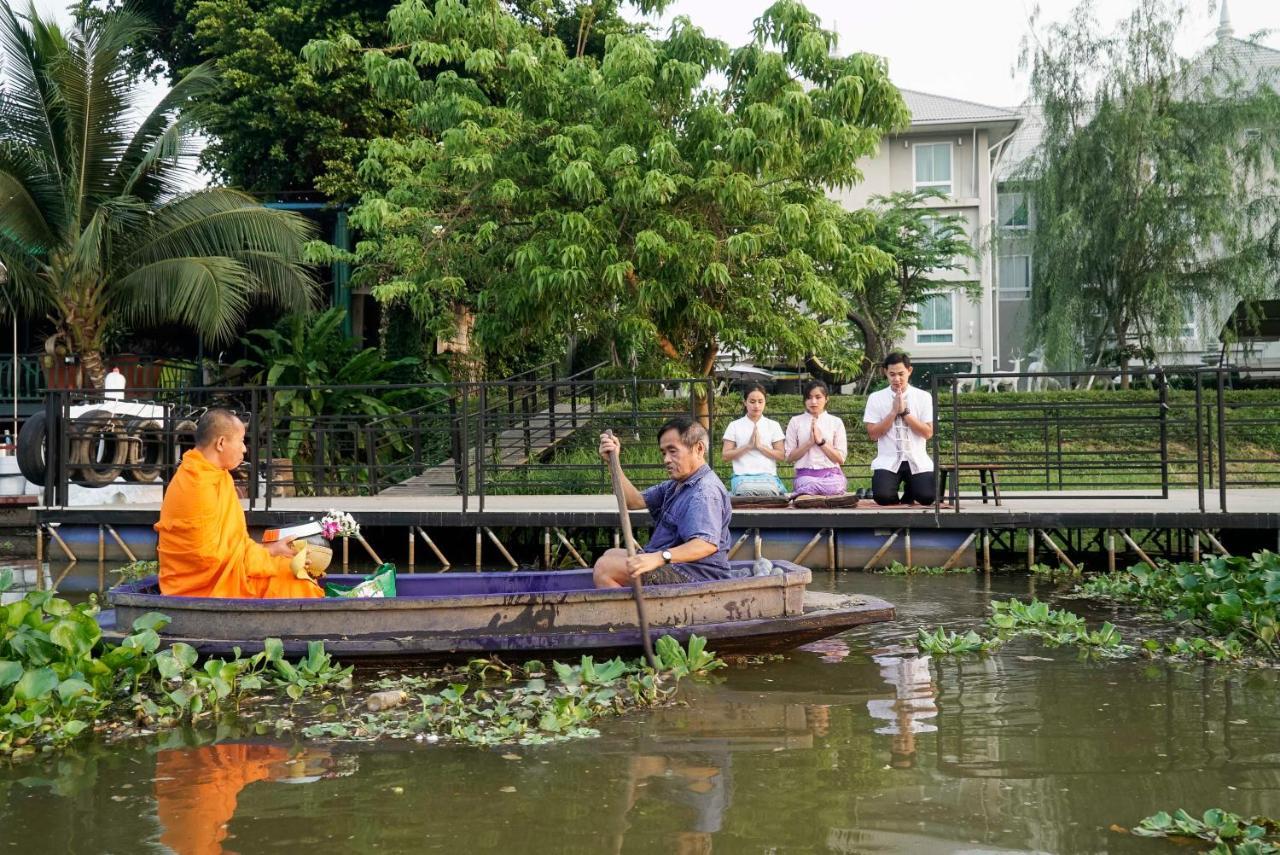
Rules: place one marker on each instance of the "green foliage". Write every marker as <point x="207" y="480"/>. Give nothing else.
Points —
<point x="683" y="662"/>
<point x="1233" y="599"/>
<point x="943" y="643"/>
<point x="135" y="570"/>
<point x="1230" y="834"/>
<point x="1013" y="618"/>
<point x="897" y="569"/>
<point x="492" y="703"/>
<point x="322" y="378"/>
<point x="57" y="680"/>
<point x="924" y="245"/>
<point x="1054" y="574"/>
<point x="94" y="231"/>
<point x="273" y="125"/>
<point x="630" y="198"/>
<point x="1154" y="185"/>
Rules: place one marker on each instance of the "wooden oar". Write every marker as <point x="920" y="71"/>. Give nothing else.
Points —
<point x="615" y="475"/>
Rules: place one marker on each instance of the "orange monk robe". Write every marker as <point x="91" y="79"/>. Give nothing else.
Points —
<point x="204" y="547"/>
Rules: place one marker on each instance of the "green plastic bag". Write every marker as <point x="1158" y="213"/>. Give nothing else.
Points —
<point x="381" y="584"/>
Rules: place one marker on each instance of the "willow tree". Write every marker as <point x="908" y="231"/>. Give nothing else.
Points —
<point x="1154" y="184"/>
<point x="671" y="197"/>
<point x="95" y="229"/>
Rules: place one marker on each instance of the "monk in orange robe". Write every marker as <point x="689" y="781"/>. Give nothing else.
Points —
<point x="204" y="547"/>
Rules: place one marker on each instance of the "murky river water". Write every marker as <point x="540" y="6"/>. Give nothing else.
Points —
<point x="855" y="746"/>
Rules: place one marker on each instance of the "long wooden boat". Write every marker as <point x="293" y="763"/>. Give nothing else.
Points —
<point x="519" y="614"/>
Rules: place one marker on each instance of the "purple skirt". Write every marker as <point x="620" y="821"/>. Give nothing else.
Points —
<point x="820" y="482"/>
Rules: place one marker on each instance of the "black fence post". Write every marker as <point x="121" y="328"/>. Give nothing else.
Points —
<point x="371" y="457"/>
<point x="955" y="441"/>
<point x="65" y="469"/>
<point x="711" y="420"/>
<point x="271" y="469"/>
<point x="320" y="474"/>
<point x="52" y="462"/>
<point x="525" y="414"/>
<point x="937" y="463"/>
<point x="464" y="446"/>
<point x="480" y="446"/>
<point x="1222" y="445"/>
<point x="254" y="449"/>
<point x="635" y="406"/>
<point x="551" y="410"/>
<point x="1200" y="439"/>
<point x="1164" y="434"/>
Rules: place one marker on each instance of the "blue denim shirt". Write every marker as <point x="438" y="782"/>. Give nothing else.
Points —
<point x="697" y="507"/>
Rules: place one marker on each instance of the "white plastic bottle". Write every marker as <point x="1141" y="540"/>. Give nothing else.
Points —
<point x="115" y="385"/>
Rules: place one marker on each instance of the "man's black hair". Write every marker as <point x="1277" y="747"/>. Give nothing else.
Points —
<point x="897" y="357"/>
<point x="691" y="431"/>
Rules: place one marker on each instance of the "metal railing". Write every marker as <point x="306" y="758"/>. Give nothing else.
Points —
<point x="536" y="433"/>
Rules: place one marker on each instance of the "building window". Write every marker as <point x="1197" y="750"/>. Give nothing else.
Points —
<point x="933" y="166"/>
<point x="1015" y="277"/>
<point x="935" y="320"/>
<point x="1013" y="211"/>
<point x="1190" y="330"/>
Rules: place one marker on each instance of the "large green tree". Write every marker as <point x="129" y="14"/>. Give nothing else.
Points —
<point x="1154" y="185"/>
<point x="671" y="197"/>
<point x="95" y="228"/>
<point x="273" y="126"/>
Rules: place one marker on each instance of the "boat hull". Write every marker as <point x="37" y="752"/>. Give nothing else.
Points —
<point x="514" y="614"/>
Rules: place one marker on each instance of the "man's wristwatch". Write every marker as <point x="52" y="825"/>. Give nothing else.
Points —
<point x="666" y="556"/>
<point x="820" y="443"/>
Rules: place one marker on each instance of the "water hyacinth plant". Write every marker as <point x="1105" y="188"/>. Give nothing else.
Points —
<point x="493" y="703"/>
<point x="1013" y="618"/>
<point x="1234" y="599"/>
<point x="59" y="681"/>
<point x="1230" y="833"/>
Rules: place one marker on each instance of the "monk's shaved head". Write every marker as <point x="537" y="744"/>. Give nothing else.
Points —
<point x="215" y="423"/>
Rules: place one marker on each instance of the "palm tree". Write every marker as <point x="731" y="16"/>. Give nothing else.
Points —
<point x="95" y="229"/>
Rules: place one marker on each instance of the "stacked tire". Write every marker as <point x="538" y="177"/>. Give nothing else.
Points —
<point x="102" y="446"/>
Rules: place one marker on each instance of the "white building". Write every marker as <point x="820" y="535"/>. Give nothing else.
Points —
<point x="954" y="146"/>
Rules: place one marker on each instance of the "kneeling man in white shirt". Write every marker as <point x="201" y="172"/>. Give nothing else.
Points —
<point x="900" y="419"/>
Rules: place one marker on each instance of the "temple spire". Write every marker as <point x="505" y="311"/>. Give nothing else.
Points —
<point x="1224" y="23"/>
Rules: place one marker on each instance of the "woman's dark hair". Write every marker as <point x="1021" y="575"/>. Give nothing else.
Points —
<point x="748" y="389"/>
<point x="897" y="357"/>
<point x="816" y="384"/>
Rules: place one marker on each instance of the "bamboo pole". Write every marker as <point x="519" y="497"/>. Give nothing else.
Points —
<point x="569" y="545"/>
<point x="515" y="565"/>
<point x="1138" y="549"/>
<point x="431" y="543"/>
<point x="804" y="553"/>
<point x="884" y="547"/>
<point x="959" y="550"/>
<point x="124" y="547"/>
<point x="1062" y="556"/>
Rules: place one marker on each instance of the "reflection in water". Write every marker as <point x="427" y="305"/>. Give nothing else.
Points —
<point x="828" y="749"/>
<point x="913" y="701"/>
<point x="197" y="789"/>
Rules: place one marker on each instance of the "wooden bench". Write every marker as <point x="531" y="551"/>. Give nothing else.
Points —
<point x="984" y="470"/>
